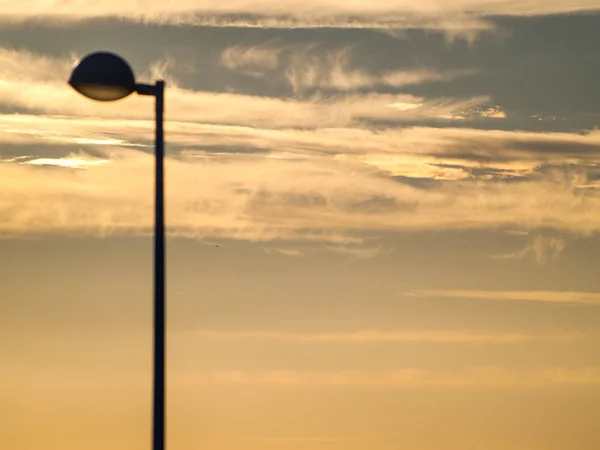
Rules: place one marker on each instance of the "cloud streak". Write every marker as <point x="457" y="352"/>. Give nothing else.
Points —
<point x="378" y="336"/>
<point x="189" y="11"/>
<point x="461" y="151"/>
<point x="558" y="297"/>
<point x="309" y="67"/>
<point x="47" y="92"/>
<point x="466" y="378"/>
<point x="262" y="168"/>
<point x="470" y="377"/>
<point x="543" y="249"/>
<point x="281" y="194"/>
<point x="464" y="19"/>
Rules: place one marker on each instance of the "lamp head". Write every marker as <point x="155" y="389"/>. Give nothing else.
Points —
<point x="103" y="76"/>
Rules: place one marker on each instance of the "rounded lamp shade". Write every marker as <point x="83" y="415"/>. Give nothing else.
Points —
<point x="103" y="76"/>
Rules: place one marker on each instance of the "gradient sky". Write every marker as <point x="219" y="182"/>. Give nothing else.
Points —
<point x="405" y="197"/>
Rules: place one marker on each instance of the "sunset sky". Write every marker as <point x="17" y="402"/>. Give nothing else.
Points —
<point x="383" y="225"/>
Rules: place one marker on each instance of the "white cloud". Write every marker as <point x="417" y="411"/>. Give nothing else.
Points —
<point x="71" y="162"/>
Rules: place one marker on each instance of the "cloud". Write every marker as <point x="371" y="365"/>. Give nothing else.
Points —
<point x="307" y="67"/>
<point x="495" y="112"/>
<point x="464" y="152"/>
<point x="360" y="252"/>
<point x="464" y="19"/>
<point x="271" y="13"/>
<point x="72" y="161"/>
<point x="467" y="377"/>
<point x="543" y="249"/>
<point x="330" y="185"/>
<point x="269" y="169"/>
<point x="416" y="152"/>
<point x="253" y="60"/>
<point x="379" y="336"/>
<point x="285" y="439"/>
<point x="470" y="377"/>
<point x="453" y="26"/>
<point x="511" y="153"/>
<point x="49" y="93"/>
<point x="351" y="250"/>
<point x="285" y="252"/>
<point x="310" y="69"/>
<point x="246" y="110"/>
<point x="558" y="297"/>
<point x="316" y="439"/>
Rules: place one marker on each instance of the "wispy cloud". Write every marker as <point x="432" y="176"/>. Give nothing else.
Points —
<point x="471" y="377"/>
<point x="268" y="168"/>
<point x="445" y="151"/>
<point x="309" y="67"/>
<point x="379" y="336"/>
<point x="285" y="252"/>
<point x="48" y="93"/>
<point x="560" y="297"/>
<point x="468" y="377"/>
<point x="274" y="196"/>
<point x="350" y="250"/>
<point x="253" y="60"/>
<point x="543" y="249"/>
<point x="71" y="161"/>
<point x="317" y="439"/>
<point x="362" y="252"/>
<point x="245" y="440"/>
<point x="270" y="13"/>
<point x="247" y="110"/>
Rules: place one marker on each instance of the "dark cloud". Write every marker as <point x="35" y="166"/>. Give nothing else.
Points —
<point x="418" y="182"/>
<point x="506" y="150"/>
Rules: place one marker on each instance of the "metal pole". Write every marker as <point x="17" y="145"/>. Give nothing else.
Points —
<point x="158" y="412"/>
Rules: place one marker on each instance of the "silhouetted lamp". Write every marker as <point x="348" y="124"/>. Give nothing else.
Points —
<point x="103" y="76"/>
<point x="106" y="77"/>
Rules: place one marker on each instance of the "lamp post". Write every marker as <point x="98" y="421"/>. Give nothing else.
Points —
<point x="107" y="77"/>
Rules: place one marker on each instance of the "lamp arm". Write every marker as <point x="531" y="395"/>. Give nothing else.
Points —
<point x="147" y="89"/>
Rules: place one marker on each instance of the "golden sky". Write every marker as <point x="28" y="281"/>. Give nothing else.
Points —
<point x="405" y="202"/>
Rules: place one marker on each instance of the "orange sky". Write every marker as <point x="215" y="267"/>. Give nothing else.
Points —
<point x="404" y="202"/>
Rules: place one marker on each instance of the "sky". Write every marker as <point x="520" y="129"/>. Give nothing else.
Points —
<point x="382" y="225"/>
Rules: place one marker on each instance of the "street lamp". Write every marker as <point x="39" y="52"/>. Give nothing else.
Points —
<point x="107" y="77"/>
